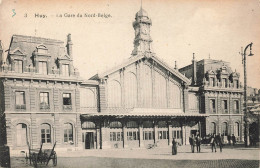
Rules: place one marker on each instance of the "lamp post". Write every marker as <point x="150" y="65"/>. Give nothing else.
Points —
<point x="245" y="93"/>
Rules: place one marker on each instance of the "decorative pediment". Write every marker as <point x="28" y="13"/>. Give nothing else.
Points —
<point x="64" y="57"/>
<point x="17" y="52"/>
<point x="223" y="70"/>
<point x="41" y="50"/>
<point x="235" y="74"/>
<point x="211" y="72"/>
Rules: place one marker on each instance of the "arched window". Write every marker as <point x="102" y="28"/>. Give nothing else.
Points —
<point x="21" y="135"/>
<point x="87" y="98"/>
<point x="114" y="94"/>
<point x="88" y="124"/>
<point x="115" y="124"/>
<point x="131" y="124"/>
<point x="146" y="89"/>
<point x="225" y="129"/>
<point x="160" y="91"/>
<point x="148" y="124"/>
<point x="130" y="90"/>
<point x="162" y="124"/>
<point x="68" y="132"/>
<point x="236" y="129"/>
<point x="213" y="128"/>
<point x="174" y="96"/>
<point x="45" y="133"/>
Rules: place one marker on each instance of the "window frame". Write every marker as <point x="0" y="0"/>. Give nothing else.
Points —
<point x="17" y="65"/>
<point x="45" y="133"/>
<point x="69" y="135"/>
<point x="23" y="105"/>
<point x="42" y="69"/>
<point x="44" y="105"/>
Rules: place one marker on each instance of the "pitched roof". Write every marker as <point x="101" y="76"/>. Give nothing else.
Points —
<point x="139" y="57"/>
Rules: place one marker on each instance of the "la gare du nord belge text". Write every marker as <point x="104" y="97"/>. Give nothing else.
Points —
<point x="71" y="15"/>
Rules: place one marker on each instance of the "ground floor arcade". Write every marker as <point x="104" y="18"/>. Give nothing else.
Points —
<point x="101" y="131"/>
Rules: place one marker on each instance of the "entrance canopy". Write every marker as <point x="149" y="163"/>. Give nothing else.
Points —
<point x="146" y="113"/>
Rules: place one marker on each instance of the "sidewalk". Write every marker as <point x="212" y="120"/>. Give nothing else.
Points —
<point x="184" y="153"/>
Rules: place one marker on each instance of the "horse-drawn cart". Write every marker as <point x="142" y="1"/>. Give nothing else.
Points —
<point x="40" y="156"/>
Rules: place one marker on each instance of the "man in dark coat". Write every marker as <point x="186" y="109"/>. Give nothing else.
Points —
<point x="192" y="143"/>
<point x="233" y="139"/>
<point x="219" y="142"/>
<point x="213" y="142"/>
<point x="174" y="147"/>
<point x="229" y="139"/>
<point x="198" y="143"/>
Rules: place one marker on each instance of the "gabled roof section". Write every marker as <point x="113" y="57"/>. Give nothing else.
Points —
<point x="134" y="59"/>
<point x="64" y="57"/>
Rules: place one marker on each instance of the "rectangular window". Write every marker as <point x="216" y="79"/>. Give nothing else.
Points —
<point x="224" y="106"/>
<point x="116" y="136"/>
<point x="236" y="106"/>
<point x="20" y="100"/>
<point x="132" y="135"/>
<point x="148" y="135"/>
<point x="42" y="67"/>
<point x="212" y="81"/>
<point x="212" y="105"/>
<point x="68" y="133"/>
<point x="236" y="84"/>
<point x="224" y="82"/>
<point x="65" y="70"/>
<point x="67" y="101"/>
<point x="44" y="100"/>
<point x="162" y="134"/>
<point x="177" y="134"/>
<point x="18" y="66"/>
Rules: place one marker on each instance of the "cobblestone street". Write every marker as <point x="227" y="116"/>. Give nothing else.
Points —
<point x="158" y="157"/>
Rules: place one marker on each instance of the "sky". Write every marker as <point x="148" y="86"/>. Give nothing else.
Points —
<point x="215" y="28"/>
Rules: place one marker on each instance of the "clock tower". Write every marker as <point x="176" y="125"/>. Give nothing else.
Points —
<point x="143" y="40"/>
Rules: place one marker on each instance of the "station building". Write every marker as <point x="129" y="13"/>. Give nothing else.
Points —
<point x="142" y="101"/>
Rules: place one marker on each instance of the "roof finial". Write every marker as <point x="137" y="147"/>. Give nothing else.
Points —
<point x="209" y="55"/>
<point x="176" y="67"/>
<point x="193" y="56"/>
<point x="141" y="4"/>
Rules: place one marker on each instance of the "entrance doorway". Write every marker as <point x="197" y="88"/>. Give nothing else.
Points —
<point x="89" y="140"/>
<point x="21" y="135"/>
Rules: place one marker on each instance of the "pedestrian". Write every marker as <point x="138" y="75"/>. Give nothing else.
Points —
<point x="219" y="142"/>
<point x="229" y="139"/>
<point x="192" y="143"/>
<point x="213" y="142"/>
<point x="198" y="143"/>
<point x="174" y="147"/>
<point x="233" y="139"/>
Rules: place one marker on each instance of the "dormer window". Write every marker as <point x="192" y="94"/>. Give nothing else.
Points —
<point x="236" y="84"/>
<point x="41" y="49"/>
<point x="42" y="67"/>
<point x="212" y="81"/>
<point x="224" y="82"/>
<point x="18" y="66"/>
<point x="65" y="70"/>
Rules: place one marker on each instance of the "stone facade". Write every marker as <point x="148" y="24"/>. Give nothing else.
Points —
<point x="220" y="95"/>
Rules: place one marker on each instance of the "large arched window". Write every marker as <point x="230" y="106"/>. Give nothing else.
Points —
<point x="146" y="89"/>
<point x="45" y="133"/>
<point x="114" y="94"/>
<point x="131" y="124"/>
<point x="87" y="98"/>
<point x="224" y="128"/>
<point x="236" y="129"/>
<point x="213" y="128"/>
<point x="130" y="90"/>
<point x="21" y="134"/>
<point x="115" y="124"/>
<point x="88" y="124"/>
<point x="160" y="91"/>
<point x="68" y="132"/>
<point x="174" y="96"/>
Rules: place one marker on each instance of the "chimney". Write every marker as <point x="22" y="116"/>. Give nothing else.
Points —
<point x="194" y="69"/>
<point x="69" y="46"/>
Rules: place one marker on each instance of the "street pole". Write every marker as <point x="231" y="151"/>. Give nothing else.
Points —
<point x="245" y="94"/>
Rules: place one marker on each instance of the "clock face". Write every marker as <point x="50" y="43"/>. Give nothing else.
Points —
<point x="144" y="30"/>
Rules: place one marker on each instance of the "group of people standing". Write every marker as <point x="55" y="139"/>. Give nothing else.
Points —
<point x="195" y="141"/>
